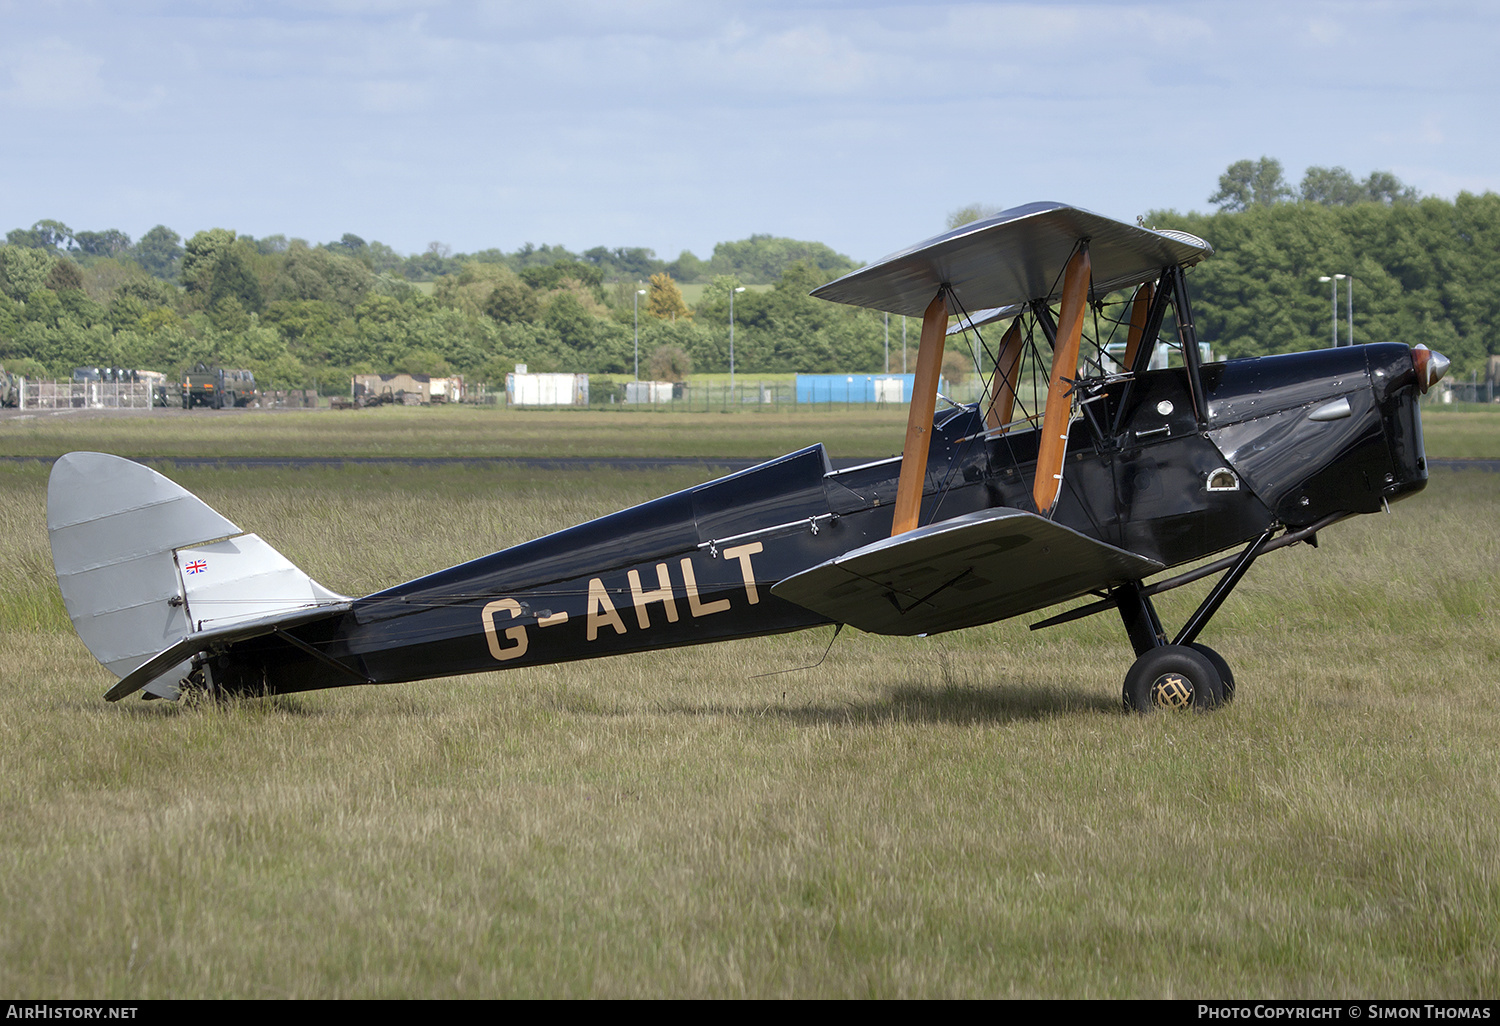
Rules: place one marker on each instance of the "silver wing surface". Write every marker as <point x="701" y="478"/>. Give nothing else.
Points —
<point x="979" y="318"/>
<point x="1016" y="256"/>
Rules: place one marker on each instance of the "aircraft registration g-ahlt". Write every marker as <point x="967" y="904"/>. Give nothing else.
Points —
<point x="993" y="510"/>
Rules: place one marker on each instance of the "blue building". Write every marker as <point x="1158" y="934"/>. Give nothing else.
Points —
<point x="855" y="388"/>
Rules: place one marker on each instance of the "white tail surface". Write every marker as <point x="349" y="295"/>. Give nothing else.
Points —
<point x="243" y="578"/>
<point x="143" y="564"/>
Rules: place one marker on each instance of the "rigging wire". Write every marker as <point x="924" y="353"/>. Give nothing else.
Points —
<point x="837" y="629"/>
<point x="1101" y="336"/>
<point x="987" y="384"/>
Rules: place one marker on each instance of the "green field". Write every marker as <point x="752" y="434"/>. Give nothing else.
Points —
<point x="1469" y="433"/>
<point x="456" y="431"/>
<point x="966" y="815"/>
<point x="495" y="431"/>
<point x="693" y="294"/>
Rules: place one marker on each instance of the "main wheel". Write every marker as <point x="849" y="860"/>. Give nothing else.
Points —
<point x="1226" y="675"/>
<point x="1173" y="677"/>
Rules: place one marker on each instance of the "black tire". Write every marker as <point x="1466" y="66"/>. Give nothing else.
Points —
<point x="1173" y="677"/>
<point x="1226" y="675"/>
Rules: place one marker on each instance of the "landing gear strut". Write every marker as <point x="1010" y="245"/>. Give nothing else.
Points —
<point x="1181" y="674"/>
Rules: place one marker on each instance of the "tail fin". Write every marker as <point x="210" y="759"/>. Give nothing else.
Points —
<point x="143" y="564"/>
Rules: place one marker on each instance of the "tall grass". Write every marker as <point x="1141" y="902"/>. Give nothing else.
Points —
<point x="963" y="815"/>
<point x="1470" y="432"/>
<point x="453" y="431"/>
<point x="849" y="432"/>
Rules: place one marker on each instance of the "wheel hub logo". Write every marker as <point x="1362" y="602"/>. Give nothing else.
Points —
<point x="1172" y="690"/>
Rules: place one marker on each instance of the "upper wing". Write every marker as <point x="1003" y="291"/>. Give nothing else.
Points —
<point x="970" y="570"/>
<point x="1016" y="256"/>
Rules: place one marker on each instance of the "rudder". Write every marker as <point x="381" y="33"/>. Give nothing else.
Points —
<point x="143" y="563"/>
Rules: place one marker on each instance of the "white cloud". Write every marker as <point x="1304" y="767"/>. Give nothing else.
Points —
<point x="674" y="125"/>
<point x="52" y="74"/>
<point x="1425" y="131"/>
<point x="1324" y="31"/>
<point x="393" y="96"/>
<point x="806" y="60"/>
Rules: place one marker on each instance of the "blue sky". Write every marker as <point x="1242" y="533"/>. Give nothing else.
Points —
<point x="676" y="125"/>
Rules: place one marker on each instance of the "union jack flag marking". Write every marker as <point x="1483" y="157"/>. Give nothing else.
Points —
<point x="197" y="566"/>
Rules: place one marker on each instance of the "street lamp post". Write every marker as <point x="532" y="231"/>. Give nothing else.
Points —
<point x="731" y="340"/>
<point x="638" y="294"/>
<point x="1336" y="279"/>
<point x="1351" y="307"/>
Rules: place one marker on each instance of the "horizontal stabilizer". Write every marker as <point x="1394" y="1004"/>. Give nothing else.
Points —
<point x="973" y="569"/>
<point x="191" y="645"/>
<point x="241" y="579"/>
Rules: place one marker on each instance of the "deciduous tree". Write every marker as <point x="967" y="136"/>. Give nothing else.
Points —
<point x="53" y="236"/>
<point x="1332" y="187"/>
<point x="665" y="301"/>
<point x="512" y="301"/>
<point x="1384" y="187"/>
<point x="1251" y="183"/>
<point x="64" y="274"/>
<point x="670" y="363"/>
<point x="200" y="255"/>
<point x="24" y="269"/>
<point x="231" y="278"/>
<point x="159" y="253"/>
<point x="109" y="243"/>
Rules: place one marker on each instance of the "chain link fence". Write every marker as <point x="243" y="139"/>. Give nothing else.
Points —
<point x="84" y="395"/>
<point x="1464" y="392"/>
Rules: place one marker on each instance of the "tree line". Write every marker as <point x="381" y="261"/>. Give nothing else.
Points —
<point x="1423" y="269"/>
<point x="296" y="313"/>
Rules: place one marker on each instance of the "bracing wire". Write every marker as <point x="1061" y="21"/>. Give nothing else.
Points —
<point x="1105" y="326"/>
<point x="837" y="629"/>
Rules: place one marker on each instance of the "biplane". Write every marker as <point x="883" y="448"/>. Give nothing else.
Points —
<point x="1105" y="454"/>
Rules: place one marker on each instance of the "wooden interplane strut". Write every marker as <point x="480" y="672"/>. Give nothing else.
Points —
<point x="1007" y="376"/>
<point x="1054" y="443"/>
<point x="1140" y="312"/>
<point x="919" y="418"/>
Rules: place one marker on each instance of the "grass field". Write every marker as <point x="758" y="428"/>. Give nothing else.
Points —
<point x="455" y="431"/>
<point x="693" y="294"/>
<point x="490" y="431"/>
<point x="966" y="815"/>
<point x="1470" y="432"/>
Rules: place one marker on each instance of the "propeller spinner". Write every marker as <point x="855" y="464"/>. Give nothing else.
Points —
<point x="1430" y="366"/>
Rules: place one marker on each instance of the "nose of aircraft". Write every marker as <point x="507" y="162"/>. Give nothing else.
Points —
<point x="1430" y="366"/>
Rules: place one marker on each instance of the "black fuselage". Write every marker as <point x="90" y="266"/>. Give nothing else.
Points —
<point x="1288" y="440"/>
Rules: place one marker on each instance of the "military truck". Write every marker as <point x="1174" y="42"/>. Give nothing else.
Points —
<point x="10" y="388"/>
<point x="217" y="387"/>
